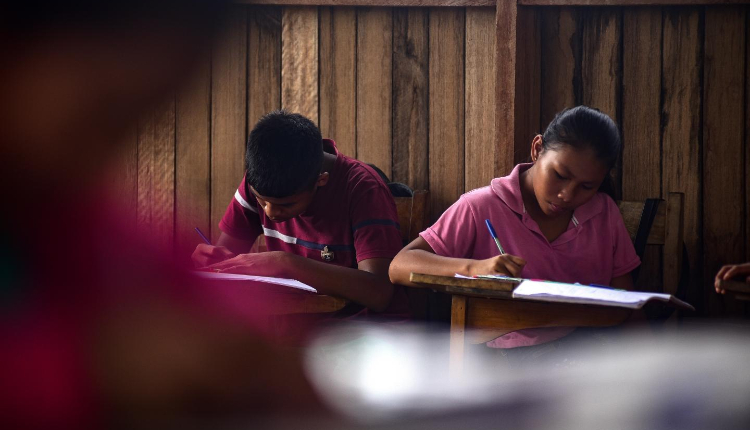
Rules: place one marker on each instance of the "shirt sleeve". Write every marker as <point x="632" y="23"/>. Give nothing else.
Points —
<point x="625" y="259"/>
<point x="241" y="220"/>
<point x="374" y="222"/>
<point x="453" y="235"/>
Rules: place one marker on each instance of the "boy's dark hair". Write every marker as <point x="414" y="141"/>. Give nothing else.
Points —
<point x="585" y="128"/>
<point x="284" y="154"/>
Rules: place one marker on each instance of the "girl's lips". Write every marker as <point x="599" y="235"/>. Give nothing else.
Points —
<point x="555" y="208"/>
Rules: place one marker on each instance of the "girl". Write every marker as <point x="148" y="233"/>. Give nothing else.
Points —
<point x="553" y="217"/>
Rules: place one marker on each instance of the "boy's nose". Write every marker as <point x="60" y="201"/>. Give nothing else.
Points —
<point x="273" y="211"/>
<point x="566" y="194"/>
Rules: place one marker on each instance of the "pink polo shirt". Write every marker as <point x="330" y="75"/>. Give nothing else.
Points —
<point x="594" y="249"/>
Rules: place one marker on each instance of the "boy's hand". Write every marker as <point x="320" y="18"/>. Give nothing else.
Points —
<point x="731" y="271"/>
<point x="270" y="263"/>
<point x="205" y="255"/>
<point x="505" y="264"/>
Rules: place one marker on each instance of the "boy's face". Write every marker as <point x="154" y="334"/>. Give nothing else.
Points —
<point x="565" y="178"/>
<point x="280" y="209"/>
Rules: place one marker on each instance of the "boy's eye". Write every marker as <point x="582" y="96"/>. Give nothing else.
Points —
<point x="559" y="176"/>
<point x="587" y="187"/>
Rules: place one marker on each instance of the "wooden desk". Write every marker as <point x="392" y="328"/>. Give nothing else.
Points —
<point x="738" y="290"/>
<point x="482" y="310"/>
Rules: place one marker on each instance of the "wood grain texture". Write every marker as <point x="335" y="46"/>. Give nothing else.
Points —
<point x="561" y="64"/>
<point x="263" y="62"/>
<point x="641" y="137"/>
<point x="124" y="178"/>
<point x="627" y="2"/>
<point x="528" y="81"/>
<point x="193" y="160"/>
<point x="479" y="123"/>
<point x="505" y="90"/>
<point x="375" y="87"/>
<point x="601" y="61"/>
<point x="723" y="140"/>
<point x="681" y="128"/>
<point x="419" y="3"/>
<point x="156" y="152"/>
<point x="446" y="108"/>
<point x="338" y="77"/>
<point x="299" y="61"/>
<point x="410" y="93"/>
<point x="228" y="114"/>
<point x="747" y="139"/>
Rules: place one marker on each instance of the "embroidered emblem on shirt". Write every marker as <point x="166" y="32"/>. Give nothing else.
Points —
<point x="326" y="255"/>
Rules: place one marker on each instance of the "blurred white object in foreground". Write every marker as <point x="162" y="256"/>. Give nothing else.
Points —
<point x="395" y="377"/>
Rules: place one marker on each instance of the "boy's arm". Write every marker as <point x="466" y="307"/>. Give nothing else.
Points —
<point x="226" y="247"/>
<point x="367" y="285"/>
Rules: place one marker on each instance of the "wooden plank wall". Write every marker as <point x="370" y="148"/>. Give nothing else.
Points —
<point x="412" y="90"/>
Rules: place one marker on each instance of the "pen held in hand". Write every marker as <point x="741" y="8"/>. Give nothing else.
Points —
<point x="203" y="236"/>
<point x="494" y="236"/>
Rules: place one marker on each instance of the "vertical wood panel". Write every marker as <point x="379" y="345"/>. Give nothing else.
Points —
<point x="601" y="68"/>
<point x="156" y="152"/>
<point x="528" y="81"/>
<point x="228" y="113"/>
<point x="446" y="107"/>
<point x="299" y="61"/>
<point x="641" y="170"/>
<point x="601" y="60"/>
<point x="264" y="62"/>
<point x="723" y="138"/>
<point x="375" y="87"/>
<point x="480" y="97"/>
<point x="505" y="91"/>
<point x="747" y="138"/>
<point x="124" y="178"/>
<point x="681" y="127"/>
<point x="641" y="137"/>
<point x="193" y="159"/>
<point x="561" y="62"/>
<point x="338" y="70"/>
<point x="410" y="94"/>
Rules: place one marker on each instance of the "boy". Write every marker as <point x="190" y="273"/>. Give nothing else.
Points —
<point x="329" y="220"/>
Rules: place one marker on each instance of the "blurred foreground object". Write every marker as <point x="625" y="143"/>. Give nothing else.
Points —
<point x="694" y="379"/>
<point x="97" y="328"/>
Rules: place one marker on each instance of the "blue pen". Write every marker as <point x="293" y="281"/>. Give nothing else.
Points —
<point x="203" y="236"/>
<point x="494" y="236"/>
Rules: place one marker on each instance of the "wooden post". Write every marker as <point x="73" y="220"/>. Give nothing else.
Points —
<point x="458" y="335"/>
<point x="505" y="85"/>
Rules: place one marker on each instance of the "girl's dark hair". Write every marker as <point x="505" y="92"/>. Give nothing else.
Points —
<point x="585" y="128"/>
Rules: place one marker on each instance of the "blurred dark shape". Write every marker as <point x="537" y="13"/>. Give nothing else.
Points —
<point x="98" y="328"/>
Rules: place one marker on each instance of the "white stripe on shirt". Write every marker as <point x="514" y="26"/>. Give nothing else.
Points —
<point x="243" y="202"/>
<point x="273" y="233"/>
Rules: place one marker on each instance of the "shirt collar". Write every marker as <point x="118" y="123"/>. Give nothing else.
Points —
<point x="508" y="189"/>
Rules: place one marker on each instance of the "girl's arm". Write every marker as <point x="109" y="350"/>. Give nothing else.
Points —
<point x="418" y="256"/>
<point x="624" y="282"/>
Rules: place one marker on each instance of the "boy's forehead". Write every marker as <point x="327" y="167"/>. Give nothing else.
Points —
<point x="279" y="200"/>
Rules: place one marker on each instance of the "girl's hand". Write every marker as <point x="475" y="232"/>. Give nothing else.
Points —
<point x="506" y="264"/>
<point x="730" y="271"/>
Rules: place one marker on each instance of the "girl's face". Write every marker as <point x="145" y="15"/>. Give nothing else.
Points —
<point x="564" y="178"/>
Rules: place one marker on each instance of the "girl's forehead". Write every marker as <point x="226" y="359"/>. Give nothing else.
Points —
<point x="583" y="164"/>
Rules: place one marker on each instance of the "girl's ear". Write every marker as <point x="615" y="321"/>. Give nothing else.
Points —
<point x="536" y="147"/>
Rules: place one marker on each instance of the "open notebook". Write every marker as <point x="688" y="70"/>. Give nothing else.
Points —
<point x="264" y="279"/>
<point x="576" y="293"/>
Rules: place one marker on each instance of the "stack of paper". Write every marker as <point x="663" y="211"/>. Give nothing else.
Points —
<point x="576" y="293"/>
<point x="265" y="279"/>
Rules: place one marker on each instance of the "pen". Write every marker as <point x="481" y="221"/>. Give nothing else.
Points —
<point x="203" y="236"/>
<point x="494" y="236"/>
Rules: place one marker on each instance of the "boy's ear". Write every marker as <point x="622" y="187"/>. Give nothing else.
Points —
<point x="536" y="147"/>
<point x="322" y="179"/>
